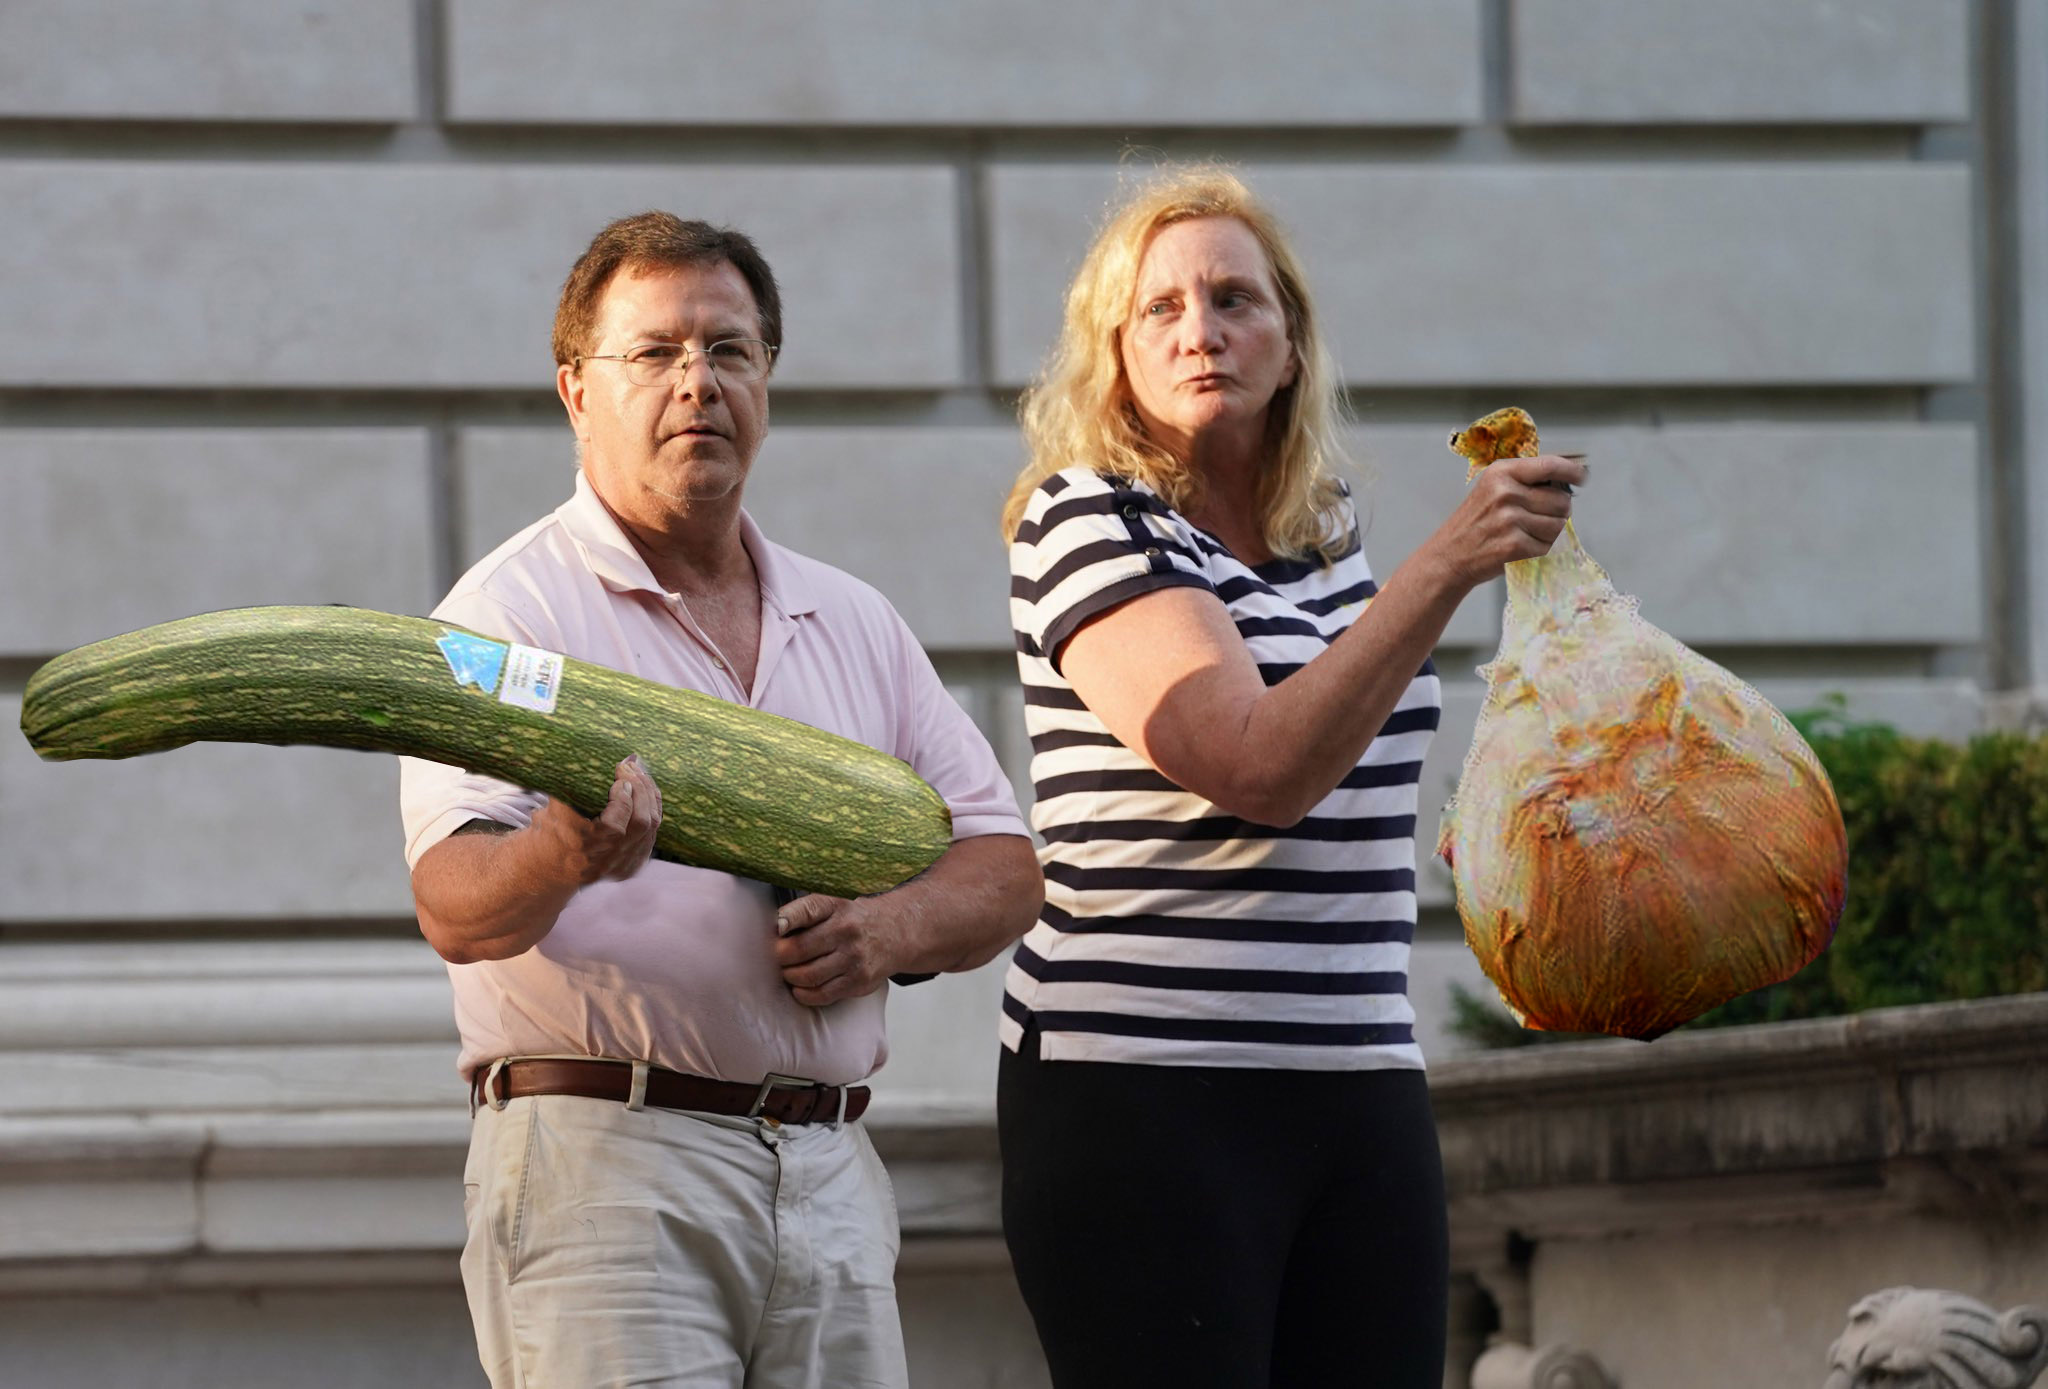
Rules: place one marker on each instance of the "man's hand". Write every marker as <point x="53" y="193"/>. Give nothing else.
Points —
<point x="958" y="914"/>
<point x="491" y="896"/>
<point x="620" y="840"/>
<point x="830" y="948"/>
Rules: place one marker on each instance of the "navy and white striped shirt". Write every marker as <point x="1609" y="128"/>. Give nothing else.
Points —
<point x="1175" y="933"/>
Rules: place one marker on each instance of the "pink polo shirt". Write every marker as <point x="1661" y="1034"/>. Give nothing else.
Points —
<point x="673" y="966"/>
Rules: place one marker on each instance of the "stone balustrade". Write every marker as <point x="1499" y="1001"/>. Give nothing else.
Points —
<point x="265" y="1116"/>
<point x="1697" y="1212"/>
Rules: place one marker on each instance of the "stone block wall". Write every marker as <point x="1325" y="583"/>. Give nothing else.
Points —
<point x="276" y="279"/>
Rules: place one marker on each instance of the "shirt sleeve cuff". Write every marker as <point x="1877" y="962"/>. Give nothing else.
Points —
<point x="975" y="826"/>
<point x="1103" y="599"/>
<point x="445" y="824"/>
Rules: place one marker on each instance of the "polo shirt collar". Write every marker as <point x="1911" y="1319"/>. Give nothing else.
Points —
<point x="617" y="563"/>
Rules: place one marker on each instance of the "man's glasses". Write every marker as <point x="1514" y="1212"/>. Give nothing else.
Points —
<point x="736" y="360"/>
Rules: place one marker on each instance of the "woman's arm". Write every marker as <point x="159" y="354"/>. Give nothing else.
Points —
<point x="1168" y="674"/>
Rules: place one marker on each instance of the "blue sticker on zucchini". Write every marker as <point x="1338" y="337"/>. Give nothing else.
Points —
<point x="474" y="660"/>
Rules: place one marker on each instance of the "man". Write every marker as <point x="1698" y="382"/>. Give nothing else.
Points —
<point x="665" y="1183"/>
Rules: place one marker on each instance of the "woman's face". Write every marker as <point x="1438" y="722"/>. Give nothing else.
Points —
<point x="1205" y="346"/>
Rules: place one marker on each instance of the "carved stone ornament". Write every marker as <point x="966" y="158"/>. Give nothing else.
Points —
<point x="1509" y="1365"/>
<point x="1922" y="1338"/>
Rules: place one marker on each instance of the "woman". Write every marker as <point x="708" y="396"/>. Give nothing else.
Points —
<point x="1220" y="1166"/>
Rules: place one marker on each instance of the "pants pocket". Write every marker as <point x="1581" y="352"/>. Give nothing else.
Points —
<point x="585" y="1202"/>
<point x="884" y="1187"/>
<point x="494" y="1184"/>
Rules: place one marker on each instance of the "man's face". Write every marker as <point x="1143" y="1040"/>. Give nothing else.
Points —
<point x="655" y="451"/>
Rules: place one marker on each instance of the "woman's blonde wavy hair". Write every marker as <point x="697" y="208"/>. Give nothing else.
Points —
<point x="1079" y="410"/>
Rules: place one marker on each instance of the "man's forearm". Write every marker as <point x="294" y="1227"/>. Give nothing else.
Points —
<point x="963" y="911"/>
<point x="488" y="895"/>
<point x="489" y="892"/>
<point x="958" y="914"/>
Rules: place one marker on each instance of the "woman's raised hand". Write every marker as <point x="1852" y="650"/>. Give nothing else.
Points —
<point x="1515" y="509"/>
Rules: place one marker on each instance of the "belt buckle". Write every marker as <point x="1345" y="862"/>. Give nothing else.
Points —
<point x="777" y="1081"/>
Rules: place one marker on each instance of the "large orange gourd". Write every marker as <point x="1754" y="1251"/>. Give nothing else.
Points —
<point x="1638" y="836"/>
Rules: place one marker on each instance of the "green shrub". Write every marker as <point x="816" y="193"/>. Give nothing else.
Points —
<point x="1948" y="880"/>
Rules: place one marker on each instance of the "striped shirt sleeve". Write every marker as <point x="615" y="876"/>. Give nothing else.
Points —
<point x="1088" y="543"/>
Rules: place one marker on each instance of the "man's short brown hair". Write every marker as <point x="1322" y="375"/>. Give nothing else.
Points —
<point x="651" y="241"/>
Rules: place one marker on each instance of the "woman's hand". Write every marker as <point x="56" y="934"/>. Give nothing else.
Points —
<point x="1515" y="509"/>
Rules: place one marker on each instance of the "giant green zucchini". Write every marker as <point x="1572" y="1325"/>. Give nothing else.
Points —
<point x="742" y="791"/>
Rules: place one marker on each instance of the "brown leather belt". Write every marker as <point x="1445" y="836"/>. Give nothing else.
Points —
<point x="784" y="1099"/>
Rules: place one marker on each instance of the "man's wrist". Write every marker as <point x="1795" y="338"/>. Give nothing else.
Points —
<point x="913" y="954"/>
<point x="552" y="857"/>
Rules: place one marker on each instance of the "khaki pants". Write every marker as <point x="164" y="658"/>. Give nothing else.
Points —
<point x="611" y="1247"/>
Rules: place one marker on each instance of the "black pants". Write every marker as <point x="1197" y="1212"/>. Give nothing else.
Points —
<point x="1187" y="1227"/>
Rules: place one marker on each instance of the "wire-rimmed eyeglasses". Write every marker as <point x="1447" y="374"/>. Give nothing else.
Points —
<point x="733" y="359"/>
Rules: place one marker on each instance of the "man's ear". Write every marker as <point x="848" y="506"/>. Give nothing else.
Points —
<point x="569" y="386"/>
